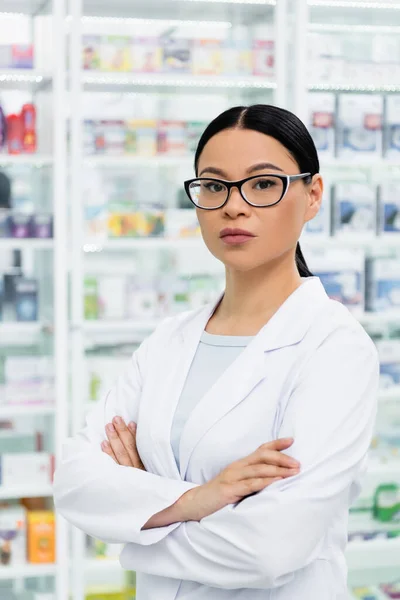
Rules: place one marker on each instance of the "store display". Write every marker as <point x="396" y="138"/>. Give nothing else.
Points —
<point x="26" y="468"/>
<point x="322" y="123"/>
<point x="18" y="131"/>
<point x="168" y="54"/>
<point x="16" y="56"/>
<point x="13" y="535"/>
<point x="360" y="125"/>
<point x="110" y="593"/>
<point x="41" y="537"/>
<point x="390" y="208"/>
<point x="392" y="127"/>
<point x="383" y="284"/>
<point x="355" y="209"/>
<point x="26" y="299"/>
<point x="389" y="358"/>
<point x="27" y="380"/>
<point x="387" y="502"/>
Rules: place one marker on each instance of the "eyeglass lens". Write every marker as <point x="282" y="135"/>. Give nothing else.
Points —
<point x="260" y="191"/>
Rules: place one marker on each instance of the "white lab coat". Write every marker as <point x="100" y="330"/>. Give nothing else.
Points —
<point x="310" y="373"/>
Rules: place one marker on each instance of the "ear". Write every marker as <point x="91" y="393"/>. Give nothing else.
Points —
<point x="315" y="194"/>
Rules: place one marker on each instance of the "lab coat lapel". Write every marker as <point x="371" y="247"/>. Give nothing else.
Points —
<point x="287" y="327"/>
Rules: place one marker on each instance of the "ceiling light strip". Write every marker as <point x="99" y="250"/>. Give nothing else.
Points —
<point x="198" y="83"/>
<point x="353" y="88"/>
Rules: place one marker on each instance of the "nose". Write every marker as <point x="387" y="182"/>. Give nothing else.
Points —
<point x="236" y="205"/>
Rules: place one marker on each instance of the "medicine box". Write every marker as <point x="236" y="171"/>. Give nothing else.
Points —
<point x="12" y="535"/>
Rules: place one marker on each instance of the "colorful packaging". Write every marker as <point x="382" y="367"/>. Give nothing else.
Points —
<point x="91" y="52"/>
<point x="41" y="537"/>
<point x="390" y="208"/>
<point x="146" y="55"/>
<point x="194" y="131"/>
<point x="172" y="137"/>
<point x="322" y="122"/>
<point x="383" y="290"/>
<point x="360" y="120"/>
<point x="207" y="57"/>
<point x="20" y="225"/>
<point x="26" y="299"/>
<point x="42" y="226"/>
<point x="28" y="380"/>
<point x="392" y="127"/>
<point x="177" y="55"/>
<point x="12" y="535"/>
<point x="342" y="273"/>
<point x="264" y="58"/>
<point x="116" y="53"/>
<point x="389" y="362"/>
<point x="22" y="56"/>
<point x="237" y="58"/>
<point x="28" y="118"/>
<point x="141" y="137"/>
<point x="144" y="223"/>
<point x="14" y="134"/>
<point x="355" y="208"/>
<point x="182" y="223"/>
<point x="91" y="301"/>
<point x="110" y="137"/>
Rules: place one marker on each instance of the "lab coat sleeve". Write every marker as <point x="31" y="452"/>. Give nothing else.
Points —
<point x="261" y="541"/>
<point x="108" y="501"/>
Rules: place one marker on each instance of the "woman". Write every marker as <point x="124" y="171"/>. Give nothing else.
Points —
<point x="184" y="460"/>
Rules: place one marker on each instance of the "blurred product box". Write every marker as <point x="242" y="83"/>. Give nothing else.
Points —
<point x="26" y="468"/>
<point x="390" y="208"/>
<point x="28" y="380"/>
<point x="142" y="297"/>
<point x="26" y="299"/>
<point x="91" y="52"/>
<point x="237" y="58"/>
<point x="342" y="273"/>
<point x="207" y="57"/>
<point x="194" y="131"/>
<point x="141" y="137"/>
<point x="383" y="284"/>
<point x="146" y="55"/>
<point x="145" y="223"/>
<point x="392" y="127"/>
<point x="322" y="123"/>
<point x="389" y="359"/>
<point x="111" y="294"/>
<point x="181" y="223"/>
<point x="264" y="58"/>
<point x="102" y="550"/>
<point x="16" y="56"/>
<point x="360" y="123"/>
<point x="176" y="55"/>
<point x="102" y="373"/>
<point x="355" y="209"/>
<point x="12" y="441"/>
<point x="108" y="593"/>
<point x="41" y="537"/>
<point x="172" y="137"/>
<point x="325" y="58"/>
<point x="116" y="54"/>
<point x="13" y="535"/>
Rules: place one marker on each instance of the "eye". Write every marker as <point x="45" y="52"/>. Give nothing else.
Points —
<point x="264" y="184"/>
<point x="213" y="187"/>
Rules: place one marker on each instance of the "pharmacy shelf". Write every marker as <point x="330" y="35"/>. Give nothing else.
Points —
<point x="102" y="564"/>
<point x="349" y="87"/>
<point x="27" y="570"/>
<point x="25" y="410"/>
<point x="26" y="491"/>
<point x="166" y="82"/>
<point x="390" y="395"/>
<point x="352" y="28"/>
<point x="21" y="334"/>
<point x="382" y="243"/>
<point x="124" y="325"/>
<point x="30" y="160"/>
<point x="369" y="164"/>
<point x="143" y="244"/>
<point x="23" y="79"/>
<point x="370" y="318"/>
<point x="133" y="161"/>
<point x="24" y="7"/>
<point x="373" y="561"/>
<point x="356" y="4"/>
<point x="26" y="244"/>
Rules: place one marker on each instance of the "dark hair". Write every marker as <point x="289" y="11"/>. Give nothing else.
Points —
<point x="278" y="123"/>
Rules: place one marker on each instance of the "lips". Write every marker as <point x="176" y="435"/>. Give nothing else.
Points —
<point x="236" y="236"/>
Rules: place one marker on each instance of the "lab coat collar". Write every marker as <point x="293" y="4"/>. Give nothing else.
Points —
<point x="287" y="327"/>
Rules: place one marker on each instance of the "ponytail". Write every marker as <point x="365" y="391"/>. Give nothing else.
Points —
<point x="301" y="263"/>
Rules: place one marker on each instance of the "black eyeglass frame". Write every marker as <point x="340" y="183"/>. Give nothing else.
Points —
<point x="286" y="180"/>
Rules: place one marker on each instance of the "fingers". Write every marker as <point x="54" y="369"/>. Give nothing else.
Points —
<point x="281" y="444"/>
<point x="268" y="471"/>
<point x="120" y="451"/>
<point x="127" y="435"/>
<point x="252" y="486"/>
<point x="106" y="448"/>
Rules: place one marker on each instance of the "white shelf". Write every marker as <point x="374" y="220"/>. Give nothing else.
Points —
<point x="26" y="244"/>
<point x="356" y="4"/>
<point x="373" y="554"/>
<point x="28" y="491"/>
<point x="165" y="81"/>
<point x="143" y="244"/>
<point x="370" y="318"/>
<point x="390" y="395"/>
<point x="27" y="570"/>
<point x="124" y="325"/>
<point x="26" y="410"/>
<point x="355" y="241"/>
<point x="132" y="161"/>
<point x="34" y="160"/>
<point x="102" y="564"/>
<point x="22" y="78"/>
<point x="348" y="87"/>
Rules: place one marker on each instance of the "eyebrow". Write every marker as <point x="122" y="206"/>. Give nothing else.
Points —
<point x="257" y="167"/>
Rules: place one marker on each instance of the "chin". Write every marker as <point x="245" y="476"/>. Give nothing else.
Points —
<point x="239" y="259"/>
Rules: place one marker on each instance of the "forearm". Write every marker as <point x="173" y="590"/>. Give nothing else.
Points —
<point x="179" y="512"/>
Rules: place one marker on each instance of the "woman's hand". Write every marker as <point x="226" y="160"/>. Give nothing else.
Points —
<point x="121" y="445"/>
<point x="240" y="479"/>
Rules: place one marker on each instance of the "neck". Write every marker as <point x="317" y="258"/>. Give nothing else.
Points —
<point x="253" y="297"/>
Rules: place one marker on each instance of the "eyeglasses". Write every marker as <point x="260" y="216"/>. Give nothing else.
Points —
<point x="260" y="191"/>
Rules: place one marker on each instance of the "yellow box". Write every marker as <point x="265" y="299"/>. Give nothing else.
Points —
<point x="41" y="537"/>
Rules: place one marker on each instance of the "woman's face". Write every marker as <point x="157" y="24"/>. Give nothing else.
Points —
<point x="235" y="154"/>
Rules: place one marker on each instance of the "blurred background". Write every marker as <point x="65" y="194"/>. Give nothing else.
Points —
<point x="101" y="107"/>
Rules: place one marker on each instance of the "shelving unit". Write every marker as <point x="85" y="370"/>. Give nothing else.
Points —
<point x="46" y="259"/>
